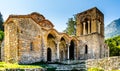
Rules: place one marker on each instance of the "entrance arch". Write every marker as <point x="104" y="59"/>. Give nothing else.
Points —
<point x="51" y="51"/>
<point x="71" y="50"/>
<point x="49" y="54"/>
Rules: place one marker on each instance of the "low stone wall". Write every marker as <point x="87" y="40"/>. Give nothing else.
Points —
<point x="32" y="69"/>
<point x="108" y="63"/>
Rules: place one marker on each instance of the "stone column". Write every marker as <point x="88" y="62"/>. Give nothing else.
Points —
<point x="58" y="51"/>
<point x="99" y="27"/>
<point x="68" y="51"/>
<point x="84" y="24"/>
<point x="88" y="27"/>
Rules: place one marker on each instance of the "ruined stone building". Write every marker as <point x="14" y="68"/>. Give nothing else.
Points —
<point x="32" y="38"/>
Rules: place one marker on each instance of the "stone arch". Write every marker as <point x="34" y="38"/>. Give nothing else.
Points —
<point x="53" y="32"/>
<point x="76" y="44"/>
<point x="63" y="49"/>
<point x="86" y="24"/>
<point x="72" y="50"/>
<point x="37" y="17"/>
<point x="46" y="23"/>
<point x="52" y="45"/>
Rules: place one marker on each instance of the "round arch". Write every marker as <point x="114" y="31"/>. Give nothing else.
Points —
<point x="52" y="45"/>
<point x="62" y="49"/>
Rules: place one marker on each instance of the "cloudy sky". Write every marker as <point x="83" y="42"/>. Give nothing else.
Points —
<point x="58" y="11"/>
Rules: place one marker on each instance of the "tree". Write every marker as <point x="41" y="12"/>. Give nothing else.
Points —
<point x="1" y="22"/>
<point x="71" y="26"/>
<point x="1" y="35"/>
<point x="114" y="45"/>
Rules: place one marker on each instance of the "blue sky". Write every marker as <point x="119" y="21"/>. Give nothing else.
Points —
<point x="58" y="11"/>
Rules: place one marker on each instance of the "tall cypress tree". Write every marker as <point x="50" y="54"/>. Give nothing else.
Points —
<point x="1" y="22"/>
<point x="71" y="26"/>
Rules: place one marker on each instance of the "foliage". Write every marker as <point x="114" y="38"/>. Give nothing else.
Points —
<point x="1" y="35"/>
<point x="51" y="69"/>
<point x="95" y="69"/>
<point x="1" y="22"/>
<point x="114" y="45"/>
<point x="8" y="65"/>
<point x="71" y="26"/>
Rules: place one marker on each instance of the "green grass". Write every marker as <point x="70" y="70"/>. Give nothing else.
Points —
<point x="95" y="69"/>
<point x="98" y="69"/>
<point x="4" y="65"/>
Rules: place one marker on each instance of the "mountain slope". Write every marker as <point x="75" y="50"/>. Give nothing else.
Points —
<point x="113" y="29"/>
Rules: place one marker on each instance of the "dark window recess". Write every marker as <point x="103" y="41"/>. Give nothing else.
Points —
<point x="31" y="46"/>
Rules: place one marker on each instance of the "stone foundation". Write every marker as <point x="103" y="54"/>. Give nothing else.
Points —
<point x="109" y="63"/>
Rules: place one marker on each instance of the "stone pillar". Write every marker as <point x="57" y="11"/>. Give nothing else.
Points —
<point x="58" y="56"/>
<point x="84" y="32"/>
<point x="88" y="27"/>
<point x="68" y="51"/>
<point x="99" y="27"/>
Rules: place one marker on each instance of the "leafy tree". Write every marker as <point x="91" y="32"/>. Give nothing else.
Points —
<point x="114" y="45"/>
<point x="1" y="22"/>
<point x="71" y="26"/>
<point x="1" y="35"/>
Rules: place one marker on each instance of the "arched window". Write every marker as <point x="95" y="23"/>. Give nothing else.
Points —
<point x="31" y="46"/>
<point x="86" y="49"/>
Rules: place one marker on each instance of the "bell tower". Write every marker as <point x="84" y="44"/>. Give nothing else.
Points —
<point x="90" y="21"/>
<point x="90" y="29"/>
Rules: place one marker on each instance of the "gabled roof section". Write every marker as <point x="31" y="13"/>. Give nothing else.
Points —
<point x="38" y="18"/>
<point x="46" y="23"/>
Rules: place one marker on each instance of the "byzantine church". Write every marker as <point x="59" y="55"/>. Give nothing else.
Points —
<point x="33" y="38"/>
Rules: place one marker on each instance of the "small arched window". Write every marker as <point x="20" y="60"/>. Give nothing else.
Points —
<point x="86" y="49"/>
<point x="31" y="46"/>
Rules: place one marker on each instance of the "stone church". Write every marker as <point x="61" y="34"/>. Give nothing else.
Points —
<point x="32" y="38"/>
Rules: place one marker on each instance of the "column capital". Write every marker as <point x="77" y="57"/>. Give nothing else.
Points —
<point x="58" y="42"/>
<point x="68" y="44"/>
<point x="84" y="22"/>
<point x="88" y="21"/>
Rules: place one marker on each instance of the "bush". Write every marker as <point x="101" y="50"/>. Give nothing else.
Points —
<point x="51" y="69"/>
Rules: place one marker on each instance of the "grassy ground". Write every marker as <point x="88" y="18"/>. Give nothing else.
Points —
<point x="4" y="65"/>
<point x="97" y="69"/>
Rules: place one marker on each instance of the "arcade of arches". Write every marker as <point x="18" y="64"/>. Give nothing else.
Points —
<point x="32" y="38"/>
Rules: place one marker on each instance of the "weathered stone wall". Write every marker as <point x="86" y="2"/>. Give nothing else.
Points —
<point x="108" y="63"/>
<point x="95" y="43"/>
<point x="29" y="41"/>
<point x="11" y="42"/>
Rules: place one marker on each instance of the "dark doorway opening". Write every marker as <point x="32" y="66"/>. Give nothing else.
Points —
<point x="71" y="50"/>
<point x="86" y="49"/>
<point x="49" y="54"/>
<point x="62" y="55"/>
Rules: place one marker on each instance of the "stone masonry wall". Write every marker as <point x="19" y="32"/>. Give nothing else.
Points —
<point x="95" y="45"/>
<point x="29" y="41"/>
<point x="11" y="42"/>
<point x="108" y="63"/>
